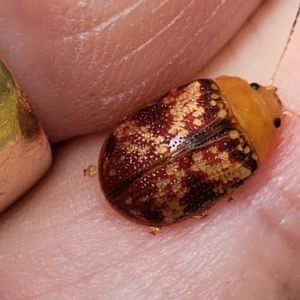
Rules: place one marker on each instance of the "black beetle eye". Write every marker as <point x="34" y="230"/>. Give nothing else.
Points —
<point x="277" y="122"/>
<point x="254" y="86"/>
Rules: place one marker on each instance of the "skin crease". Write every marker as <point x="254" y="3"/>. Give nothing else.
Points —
<point x="63" y="241"/>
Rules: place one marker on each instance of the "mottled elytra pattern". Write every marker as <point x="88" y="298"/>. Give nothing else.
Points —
<point x="176" y="157"/>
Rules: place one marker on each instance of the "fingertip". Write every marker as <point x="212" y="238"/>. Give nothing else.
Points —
<point x="86" y="67"/>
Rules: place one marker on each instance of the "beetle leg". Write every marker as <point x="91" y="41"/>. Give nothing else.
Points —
<point x="90" y="171"/>
<point x="154" y="230"/>
<point x="202" y="214"/>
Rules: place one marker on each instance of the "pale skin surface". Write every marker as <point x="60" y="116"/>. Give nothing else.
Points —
<point x="63" y="241"/>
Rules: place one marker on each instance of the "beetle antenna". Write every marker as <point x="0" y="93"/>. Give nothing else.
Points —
<point x="286" y="45"/>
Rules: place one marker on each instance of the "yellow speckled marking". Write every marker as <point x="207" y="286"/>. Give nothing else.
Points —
<point x="172" y="169"/>
<point x="162" y="148"/>
<point x="136" y="213"/>
<point x="185" y="104"/>
<point x="219" y="190"/>
<point x="161" y="183"/>
<point x="176" y="187"/>
<point x="198" y="156"/>
<point x="197" y="122"/>
<point x="214" y="86"/>
<point x="246" y="150"/>
<point x="222" y="113"/>
<point x="254" y="156"/>
<point x="215" y="96"/>
<point x="240" y="148"/>
<point x="143" y="136"/>
<point x="234" y="134"/>
<point x="213" y="149"/>
<point x="223" y="155"/>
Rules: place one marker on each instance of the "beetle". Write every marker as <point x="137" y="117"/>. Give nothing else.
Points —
<point x="176" y="158"/>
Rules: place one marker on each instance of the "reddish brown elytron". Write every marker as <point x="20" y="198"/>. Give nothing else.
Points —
<point x="176" y="158"/>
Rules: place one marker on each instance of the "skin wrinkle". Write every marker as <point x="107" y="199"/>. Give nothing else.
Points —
<point x="163" y="67"/>
<point x="156" y="35"/>
<point x="123" y="61"/>
<point x="134" y="278"/>
<point x="81" y="3"/>
<point x="157" y="75"/>
<point x="276" y="224"/>
<point x="159" y="5"/>
<point x="260" y="255"/>
<point x="126" y="58"/>
<point x="176" y="275"/>
<point x="85" y="35"/>
<point x="214" y="12"/>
